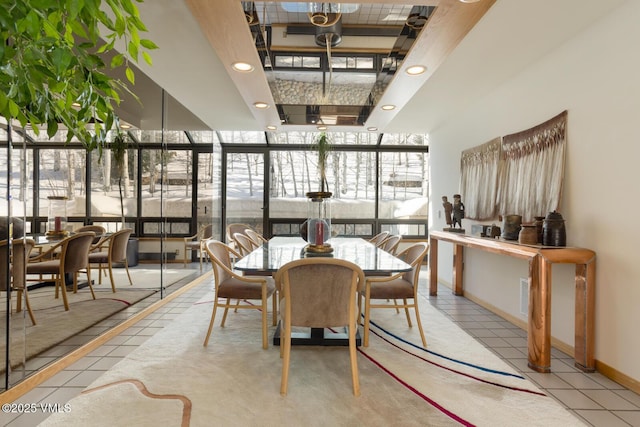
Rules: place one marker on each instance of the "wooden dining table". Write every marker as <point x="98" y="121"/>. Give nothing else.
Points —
<point x="279" y="250"/>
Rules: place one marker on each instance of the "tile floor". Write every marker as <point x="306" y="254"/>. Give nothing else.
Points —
<point x="594" y="398"/>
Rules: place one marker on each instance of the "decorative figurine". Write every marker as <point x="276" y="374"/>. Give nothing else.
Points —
<point x="448" y="208"/>
<point x="458" y="211"/>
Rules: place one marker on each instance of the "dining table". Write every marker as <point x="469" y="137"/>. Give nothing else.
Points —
<point x="279" y="250"/>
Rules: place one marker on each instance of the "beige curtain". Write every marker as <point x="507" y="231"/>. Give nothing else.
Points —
<point x="531" y="179"/>
<point x="480" y="169"/>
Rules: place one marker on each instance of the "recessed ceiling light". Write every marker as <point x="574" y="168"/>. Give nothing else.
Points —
<point x="261" y="105"/>
<point x="469" y="1"/>
<point x="372" y="128"/>
<point x="271" y="127"/>
<point x="322" y="127"/>
<point x="242" y="67"/>
<point x="75" y="104"/>
<point x="388" y="107"/>
<point x="414" y="70"/>
<point x="125" y="126"/>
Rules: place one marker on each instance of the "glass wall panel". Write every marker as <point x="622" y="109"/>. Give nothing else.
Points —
<point x="245" y="189"/>
<point x="114" y="194"/>
<point x="62" y="175"/>
<point x="404" y="186"/>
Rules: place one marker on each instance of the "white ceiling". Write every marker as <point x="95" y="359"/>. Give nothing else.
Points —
<point x="511" y="35"/>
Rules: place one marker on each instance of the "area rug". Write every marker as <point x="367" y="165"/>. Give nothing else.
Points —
<point x="55" y="325"/>
<point x="173" y="380"/>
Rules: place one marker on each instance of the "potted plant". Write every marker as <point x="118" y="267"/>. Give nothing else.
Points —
<point x="319" y="205"/>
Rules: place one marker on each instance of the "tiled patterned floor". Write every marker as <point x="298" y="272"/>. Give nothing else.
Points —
<point x="594" y="398"/>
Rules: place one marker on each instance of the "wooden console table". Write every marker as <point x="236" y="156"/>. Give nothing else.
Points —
<point x="541" y="259"/>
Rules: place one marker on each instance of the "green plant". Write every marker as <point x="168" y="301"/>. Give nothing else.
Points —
<point x="52" y="71"/>
<point x="118" y="148"/>
<point x="323" y="146"/>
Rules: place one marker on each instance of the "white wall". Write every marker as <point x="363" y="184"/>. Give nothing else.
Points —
<point x="595" y="77"/>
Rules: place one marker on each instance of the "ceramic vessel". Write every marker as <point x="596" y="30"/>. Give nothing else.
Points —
<point x="539" y="222"/>
<point x="553" y="230"/>
<point x="511" y="227"/>
<point x="528" y="234"/>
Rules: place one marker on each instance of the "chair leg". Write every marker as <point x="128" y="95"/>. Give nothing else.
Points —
<point x="285" y="344"/>
<point x="265" y="338"/>
<point x="274" y="308"/>
<point x="226" y="310"/>
<point x="126" y="268"/>
<point x="353" y="358"/>
<point x="26" y="303"/>
<point x="185" y="256"/>
<point x="367" y="313"/>
<point x="60" y="283"/>
<point x="113" y="282"/>
<point x="406" y="312"/>
<point x="415" y="305"/>
<point x="93" y="295"/>
<point x="213" y="318"/>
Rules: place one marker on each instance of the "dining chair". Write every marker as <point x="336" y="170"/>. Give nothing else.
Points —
<point x="73" y="257"/>
<point x="98" y="229"/>
<point x="196" y="243"/>
<point x="231" y="285"/>
<point x="244" y="244"/>
<point x="255" y="237"/>
<point x="20" y="251"/>
<point x="397" y="287"/>
<point x="379" y="238"/>
<point x="110" y="250"/>
<point x="390" y="244"/>
<point x="318" y="293"/>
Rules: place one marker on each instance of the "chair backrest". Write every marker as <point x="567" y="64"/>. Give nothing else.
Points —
<point x="118" y="244"/>
<point x="20" y="251"/>
<point x="74" y="252"/>
<point x="320" y="292"/>
<point x="255" y="236"/>
<point x="391" y="243"/>
<point x="219" y="253"/>
<point x="379" y="238"/>
<point x="234" y="228"/>
<point x="244" y="243"/>
<point x="98" y="229"/>
<point x="206" y="232"/>
<point x="413" y="256"/>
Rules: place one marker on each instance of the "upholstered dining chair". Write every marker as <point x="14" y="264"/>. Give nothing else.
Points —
<point x="73" y="257"/>
<point x="110" y="250"/>
<point x="390" y="244"/>
<point x="98" y="229"/>
<point x="379" y="238"/>
<point x="255" y="237"/>
<point x="20" y="250"/>
<point x="231" y="285"/>
<point x="318" y="293"/>
<point x="397" y="287"/>
<point x="196" y="243"/>
<point x="244" y="244"/>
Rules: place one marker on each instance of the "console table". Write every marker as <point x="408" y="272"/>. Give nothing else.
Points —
<point x="541" y="259"/>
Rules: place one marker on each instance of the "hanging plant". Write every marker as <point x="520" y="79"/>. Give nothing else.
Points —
<point x="118" y="148"/>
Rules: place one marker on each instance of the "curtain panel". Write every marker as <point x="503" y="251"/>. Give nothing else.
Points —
<point x="533" y="169"/>
<point x="480" y="171"/>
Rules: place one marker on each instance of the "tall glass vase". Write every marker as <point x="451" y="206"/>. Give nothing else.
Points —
<point x="319" y="222"/>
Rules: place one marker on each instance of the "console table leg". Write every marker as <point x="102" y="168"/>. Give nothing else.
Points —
<point x="458" y="265"/>
<point x="433" y="267"/>
<point x="539" y="325"/>
<point x="584" y="320"/>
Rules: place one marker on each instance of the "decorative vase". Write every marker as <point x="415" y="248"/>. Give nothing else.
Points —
<point x="528" y="234"/>
<point x="553" y="230"/>
<point x="318" y="224"/>
<point x="539" y="221"/>
<point x="511" y="227"/>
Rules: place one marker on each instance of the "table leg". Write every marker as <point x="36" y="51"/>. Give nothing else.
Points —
<point x="584" y="316"/>
<point x="458" y="265"/>
<point x="433" y="267"/>
<point x="539" y="325"/>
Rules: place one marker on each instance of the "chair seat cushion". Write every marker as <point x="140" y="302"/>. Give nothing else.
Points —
<point x="236" y="288"/>
<point x="99" y="258"/>
<point x="393" y="289"/>
<point x="44" y="267"/>
<point x="195" y="244"/>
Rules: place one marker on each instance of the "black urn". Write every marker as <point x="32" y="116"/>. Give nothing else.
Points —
<point x="553" y="230"/>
